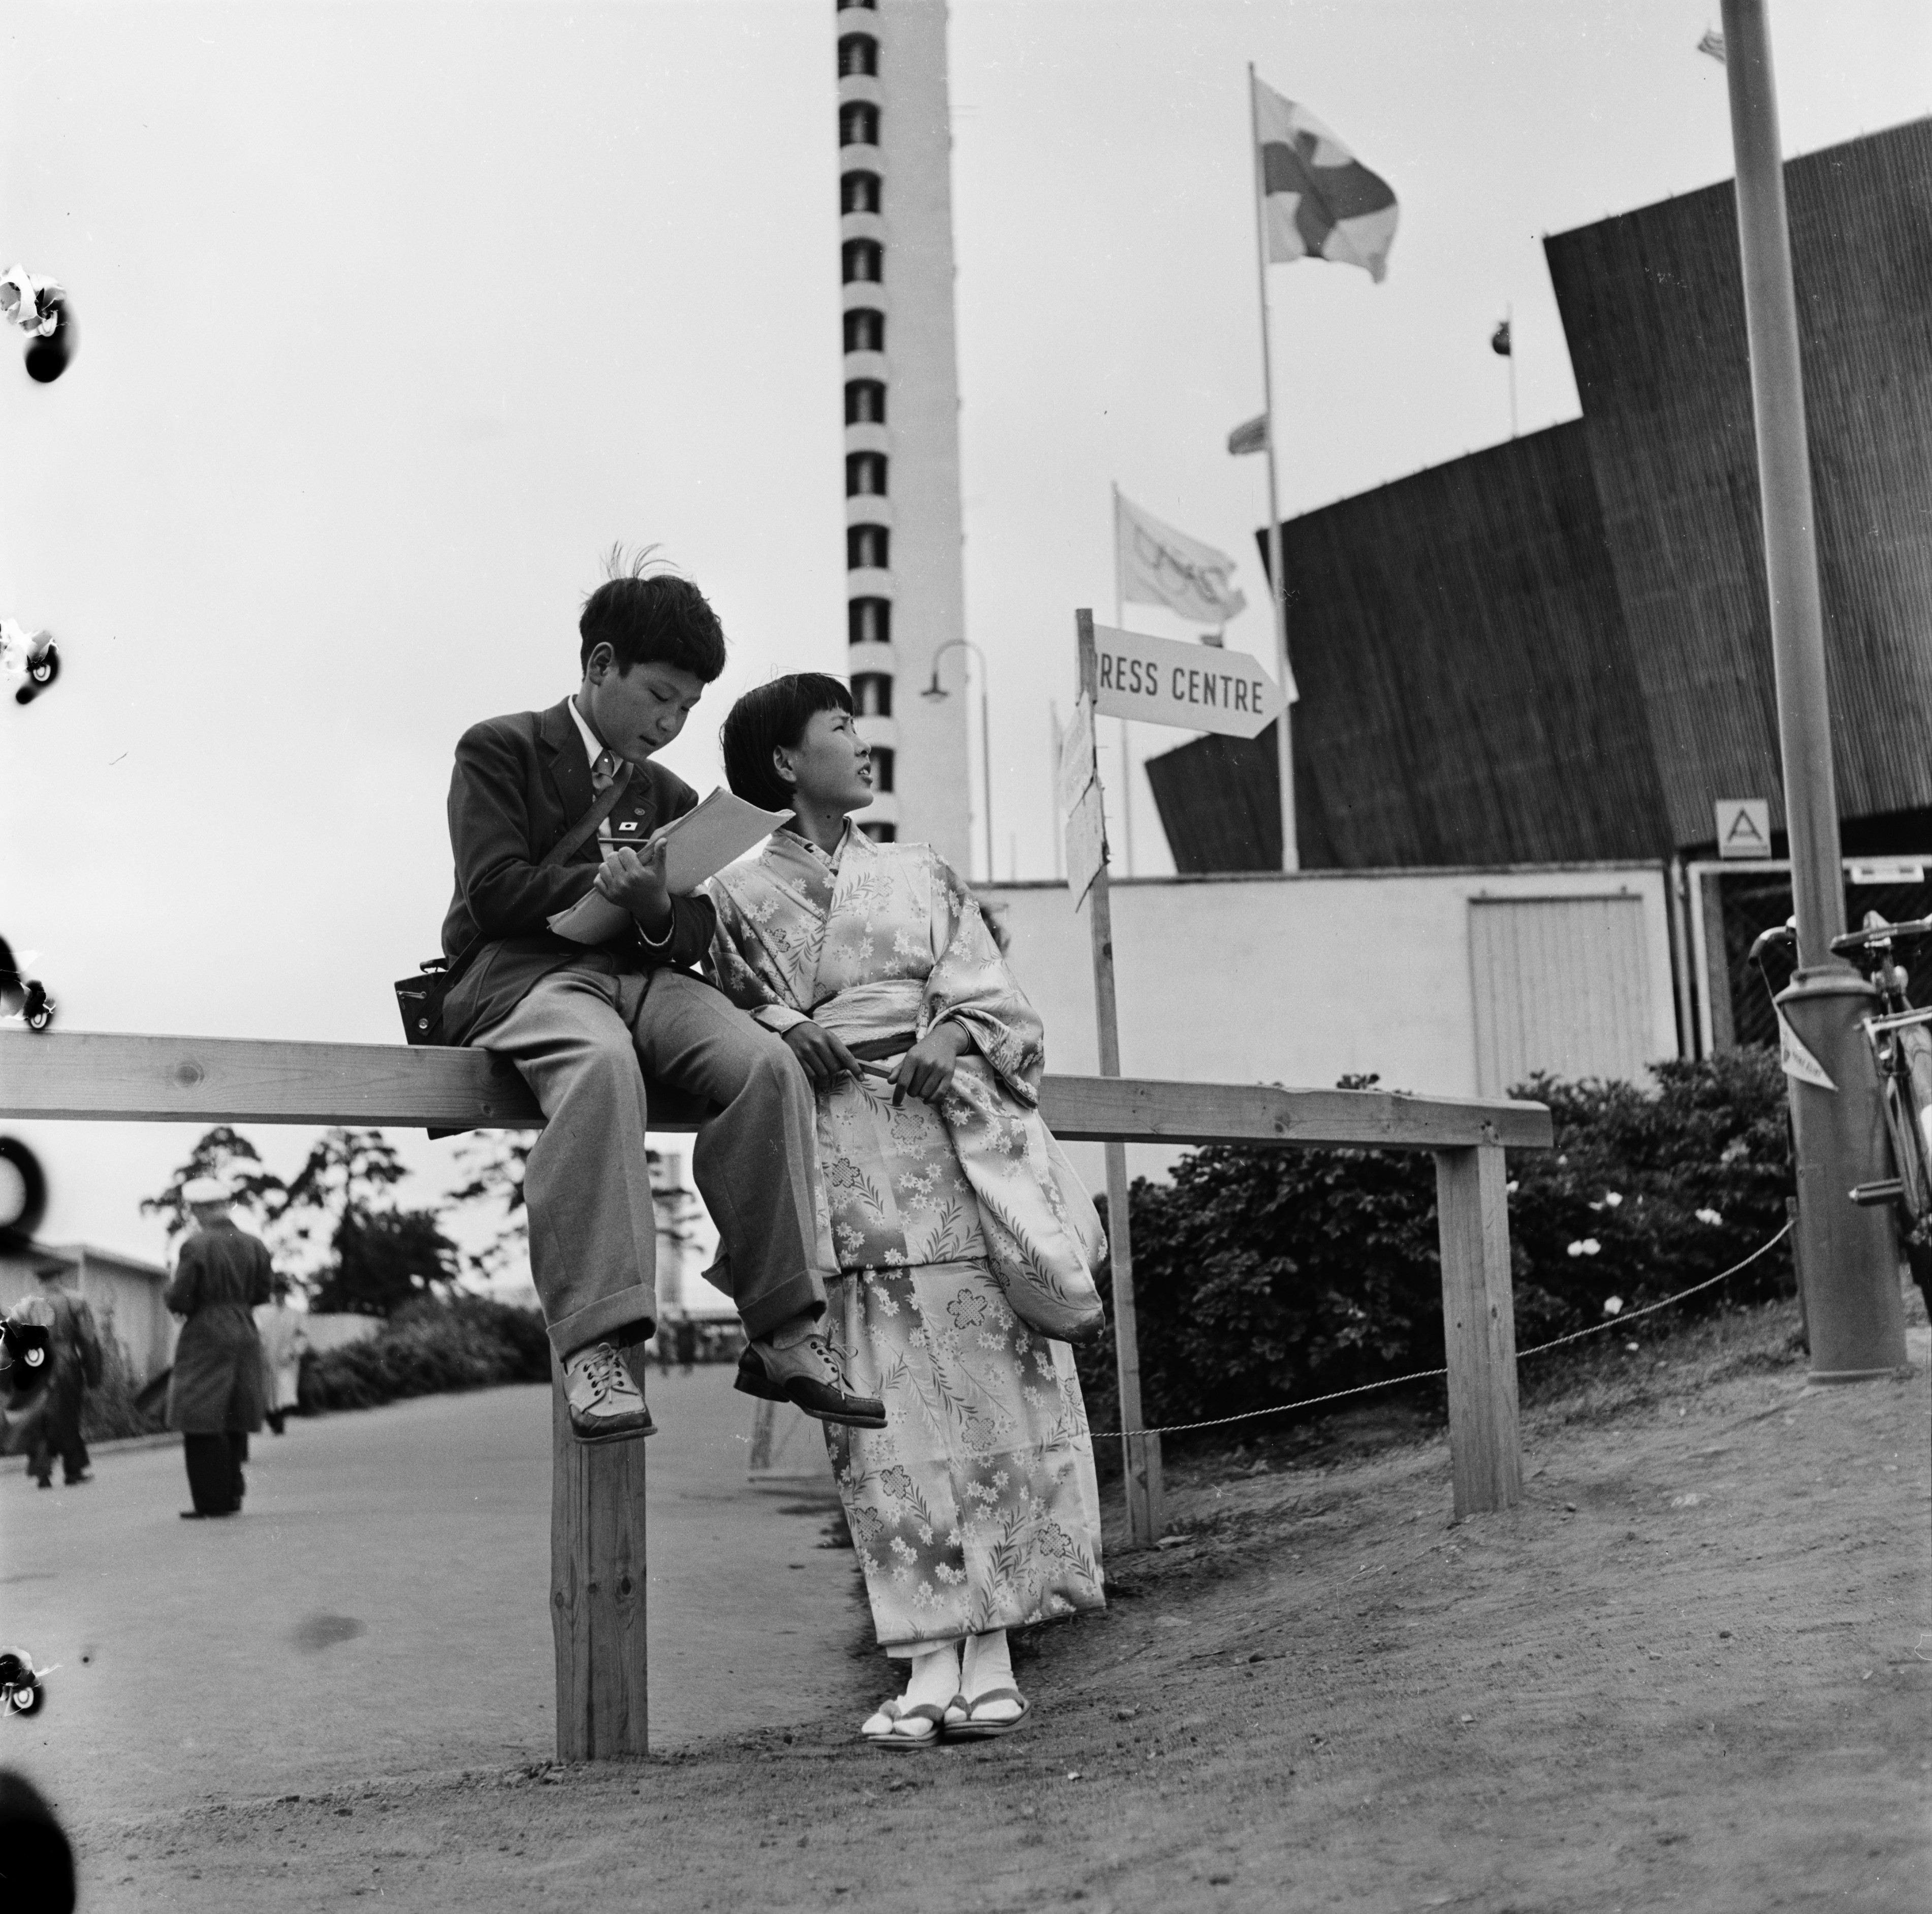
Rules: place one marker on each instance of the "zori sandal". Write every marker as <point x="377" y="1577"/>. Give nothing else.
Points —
<point x="972" y="1729"/>
<point x="895" y="1715"/>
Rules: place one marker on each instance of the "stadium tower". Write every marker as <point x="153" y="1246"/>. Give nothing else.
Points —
<point x="904" y="589"/>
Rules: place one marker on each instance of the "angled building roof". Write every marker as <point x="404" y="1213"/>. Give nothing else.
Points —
<point x="1559" y="648"/>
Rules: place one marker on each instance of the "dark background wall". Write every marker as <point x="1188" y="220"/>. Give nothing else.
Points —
<point x="1559" y="649"/>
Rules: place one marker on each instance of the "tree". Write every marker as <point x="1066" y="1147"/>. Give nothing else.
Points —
<point x="384" y="1258"/>
<point x="335" y="1228"/>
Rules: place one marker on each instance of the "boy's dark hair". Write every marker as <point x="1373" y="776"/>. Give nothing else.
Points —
<point x="774" y="715"/>
<point x="651" y="617"/>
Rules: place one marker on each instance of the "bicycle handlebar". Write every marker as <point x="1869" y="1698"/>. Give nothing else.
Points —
<point x="1874" y="935"/>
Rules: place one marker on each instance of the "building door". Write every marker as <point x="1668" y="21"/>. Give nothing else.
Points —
<point x="1561" y="984"/>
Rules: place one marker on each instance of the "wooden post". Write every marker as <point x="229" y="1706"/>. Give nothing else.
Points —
<point x="1140" y="1454"/>
<point x="597" y="1599"/>
<point x="1478" y="1328"/>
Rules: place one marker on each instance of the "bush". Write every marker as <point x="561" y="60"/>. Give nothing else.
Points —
<point x="1262" y="1276"/>
<point x="109" y="1410"/>
<point x="427" y="1348"/>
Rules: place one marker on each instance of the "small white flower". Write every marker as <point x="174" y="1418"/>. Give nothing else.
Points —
<point x="1587" y="1246"/>
<point x="1613" y="1306"/>
<point x="1710" y="1217"/>
<point x="1611" y="1199"/>
<point x="1510" y="1186"/>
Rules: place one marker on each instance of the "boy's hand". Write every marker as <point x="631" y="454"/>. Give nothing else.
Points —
<point x="825" y="1058"/>
<point x="926" y="1068"/>
<point x="636" y="881"/>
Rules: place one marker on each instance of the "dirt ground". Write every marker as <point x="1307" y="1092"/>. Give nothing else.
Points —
<point x="1692" y="1670"/>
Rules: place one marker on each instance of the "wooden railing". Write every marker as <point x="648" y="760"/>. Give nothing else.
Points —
<point x="597" y="1540"/>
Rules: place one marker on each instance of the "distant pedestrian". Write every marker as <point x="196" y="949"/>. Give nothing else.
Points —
<point x="686" y="1333"/>
<point x="215" y="1395"/>
<point x="284" y="1343"/>
<point x="73" y="1364"/>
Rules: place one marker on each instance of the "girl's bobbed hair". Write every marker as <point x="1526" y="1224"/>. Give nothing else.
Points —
<point x="770" y="717"/>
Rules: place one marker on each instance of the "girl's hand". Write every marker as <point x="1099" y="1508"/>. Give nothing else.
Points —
<point x="926" y="1068"/>
<point x="636" y="881"/>
<point x="825" y="1058"/>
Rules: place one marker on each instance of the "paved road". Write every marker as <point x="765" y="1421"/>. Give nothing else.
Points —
<point x="381" y="1607"/>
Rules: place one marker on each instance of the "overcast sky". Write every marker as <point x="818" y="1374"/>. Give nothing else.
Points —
<point x="391" y="316"/>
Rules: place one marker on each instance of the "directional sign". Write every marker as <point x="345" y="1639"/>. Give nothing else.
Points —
<point x="1159" y="681"/>
<point x="1744" y="827"/>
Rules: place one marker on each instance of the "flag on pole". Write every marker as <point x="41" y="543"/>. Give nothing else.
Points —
<point x="1500" y="342"/>
<point x="1251" y="436"/>
<point x="1712" y="44"/>
<point x="1321" y="202"/>
<point x="1159" y="565"/>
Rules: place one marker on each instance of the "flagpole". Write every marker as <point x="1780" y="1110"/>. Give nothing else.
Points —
<point x="1277" y="584"/>
<point x="1127" y="761"/>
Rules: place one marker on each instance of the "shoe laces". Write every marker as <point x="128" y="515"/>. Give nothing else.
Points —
<point x="604" y="1372"/>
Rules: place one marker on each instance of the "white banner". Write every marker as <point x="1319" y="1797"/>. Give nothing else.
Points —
<point x="1086" y="843"/>
<point x="1160" y="681"/>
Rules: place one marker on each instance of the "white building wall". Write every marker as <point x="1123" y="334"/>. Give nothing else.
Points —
<point x="1301" y="979"/>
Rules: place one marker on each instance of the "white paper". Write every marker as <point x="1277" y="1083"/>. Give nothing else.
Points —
<point x="1086" y="844"/>
<point x="1077" y="768"/>
<point x="697" y="846"/>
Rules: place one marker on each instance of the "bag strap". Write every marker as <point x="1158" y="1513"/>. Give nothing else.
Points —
<point x="564" y="847"/>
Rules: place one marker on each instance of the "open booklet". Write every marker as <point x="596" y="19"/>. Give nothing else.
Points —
<point x="697" y="846"/>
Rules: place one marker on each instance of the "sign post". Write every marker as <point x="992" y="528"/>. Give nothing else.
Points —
<point x="1087" y="874"/>
<point x="1157" y="681"/>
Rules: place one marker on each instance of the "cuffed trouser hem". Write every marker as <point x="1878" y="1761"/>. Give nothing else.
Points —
<point x="797" y="1296"/>
<point x="633" y="1309"/>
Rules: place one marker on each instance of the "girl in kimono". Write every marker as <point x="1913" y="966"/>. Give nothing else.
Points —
<point x="966" y="1244"/>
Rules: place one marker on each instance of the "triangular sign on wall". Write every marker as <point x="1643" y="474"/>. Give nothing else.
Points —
<point x="1796" y="1060"/>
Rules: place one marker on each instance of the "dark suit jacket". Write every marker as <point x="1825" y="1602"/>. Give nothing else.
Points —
<point x="521" y="782"/>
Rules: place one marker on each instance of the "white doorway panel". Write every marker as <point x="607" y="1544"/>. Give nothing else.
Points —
<point x="1560" y="984"/>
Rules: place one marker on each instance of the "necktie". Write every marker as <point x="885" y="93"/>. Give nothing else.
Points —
<point x="604" y="773"/>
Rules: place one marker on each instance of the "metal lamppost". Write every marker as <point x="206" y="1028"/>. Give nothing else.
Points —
<point x="1847" y="1257"/>
<point x="936" y="690"/>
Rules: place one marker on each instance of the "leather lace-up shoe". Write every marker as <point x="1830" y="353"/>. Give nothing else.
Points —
<point x="606" y="1405"/>
<point x="811" y="1376"/>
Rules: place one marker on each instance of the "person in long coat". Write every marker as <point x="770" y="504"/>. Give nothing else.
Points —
<point x="215" y="1393"/>
<point x="74" y="1348"/>
<point x="283" y="1345"/>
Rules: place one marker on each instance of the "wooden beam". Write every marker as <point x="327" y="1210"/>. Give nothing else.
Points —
<point x="598" y="1598"/>
<point x="1478" y="1328"/>
<point x="113" y="1078"/>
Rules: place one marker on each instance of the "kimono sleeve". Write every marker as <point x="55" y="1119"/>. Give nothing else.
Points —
<point x="971" y="983"/>
<point x="726" y="965"/>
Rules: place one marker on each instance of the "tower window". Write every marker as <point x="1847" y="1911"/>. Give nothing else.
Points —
<point x="872" y="693"/>
<point x="868" y="547"/>
<point x="858" y="124"/>
<point x="858" y="52"/>
<point x="865" y="330"/>
<point x="858" y="193"/>
<point x="865" y="475"/>
<point x="868" y="621"/>
<point x="869" y="6"/>
<point x="882" y="767"/>
<point x="881" y="833"/>
<point x="865" y="402"/>
<point x="863" y="259"/>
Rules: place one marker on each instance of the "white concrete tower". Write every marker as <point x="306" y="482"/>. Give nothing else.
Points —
<point x="905" y="583"/>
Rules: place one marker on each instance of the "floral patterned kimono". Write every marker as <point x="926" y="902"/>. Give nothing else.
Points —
<point x="975" y="1507"/>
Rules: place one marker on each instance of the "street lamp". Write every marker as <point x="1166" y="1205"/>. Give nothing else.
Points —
<point x="935" y="691"/>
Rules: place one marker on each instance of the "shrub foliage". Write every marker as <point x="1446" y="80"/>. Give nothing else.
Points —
<point x="1263" y="1275"/>
<point x="428" y="1347"/>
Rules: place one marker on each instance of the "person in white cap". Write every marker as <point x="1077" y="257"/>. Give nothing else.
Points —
<point x="215" y="1393"/>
